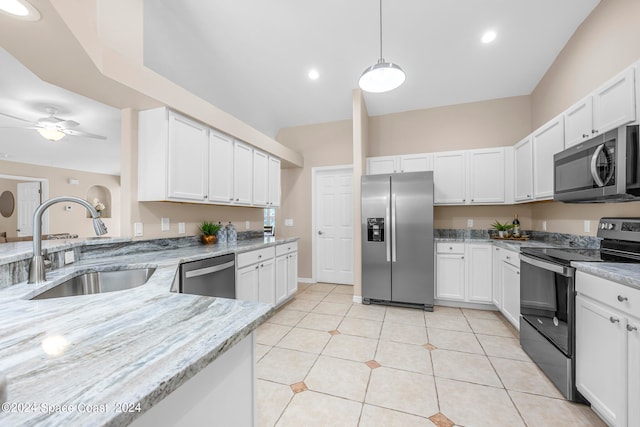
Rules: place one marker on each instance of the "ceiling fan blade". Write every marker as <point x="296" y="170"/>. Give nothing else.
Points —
<point x="17" y="118"/>
<point x="75" y="132"/>
<point x="68" y="124"/>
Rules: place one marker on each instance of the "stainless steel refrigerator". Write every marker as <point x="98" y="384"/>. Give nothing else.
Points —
<point x="397" y="239"/>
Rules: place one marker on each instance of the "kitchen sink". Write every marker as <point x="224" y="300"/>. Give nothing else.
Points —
<point x="99" y="282"/>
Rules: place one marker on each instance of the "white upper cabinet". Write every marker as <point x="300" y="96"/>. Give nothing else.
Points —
<point x="221" y="167"/>
<point x="274" y="182"/>
<point x="450" y="178"/>
<point x="611" y="105"/>
<point x="546" y="141"/>
<point x="260" y="178"/>
<point x="416" y="162"/>
<point x="173" y="157"/>
<point x="473" y="177"/>
<point x="487" y="176"/>
<point x="382" y="165"/>
<point x="523" y="170"/>
<point x="242" y="173"/>
<point x="398" y="164"/>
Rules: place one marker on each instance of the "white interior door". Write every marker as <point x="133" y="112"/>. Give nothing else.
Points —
<point x="333" y="215"/>
<point x="28" y="201"/>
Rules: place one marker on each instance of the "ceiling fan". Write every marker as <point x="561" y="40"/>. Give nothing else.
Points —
<point x="54" y="128"/>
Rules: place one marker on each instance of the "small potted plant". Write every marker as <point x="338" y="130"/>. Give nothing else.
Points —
<point x="502" y="228"/>
<point x="209" y="231"/>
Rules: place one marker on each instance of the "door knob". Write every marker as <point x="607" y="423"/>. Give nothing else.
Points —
<point x="320" y="232"/>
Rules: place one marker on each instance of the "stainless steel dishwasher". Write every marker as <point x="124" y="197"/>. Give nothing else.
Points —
<point x="212" y="277"/>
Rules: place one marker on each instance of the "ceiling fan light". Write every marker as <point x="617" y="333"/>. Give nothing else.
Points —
<point x="51" y="134"/>
<point x="381" y="77"/>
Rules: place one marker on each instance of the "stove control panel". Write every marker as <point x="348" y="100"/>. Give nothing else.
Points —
<point x="607" y="226"/>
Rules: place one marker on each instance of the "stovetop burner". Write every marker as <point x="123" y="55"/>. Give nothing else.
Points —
<point x="621" y="243"/>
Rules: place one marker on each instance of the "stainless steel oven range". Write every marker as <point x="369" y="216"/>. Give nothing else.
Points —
<point x="547" y="297"/>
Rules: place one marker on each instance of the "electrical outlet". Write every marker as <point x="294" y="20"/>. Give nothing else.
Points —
<point x="469" y="223"/>
<point x="69" y="257"/>
<point x="138" y="229"/>
<point x="182" y="229"/>
<point x="288" y="222"/>
<point x="587" y="226"/>
<point x="544" y="225"/>
<point x="165" y="224"/>
<point x="247" y="224"/>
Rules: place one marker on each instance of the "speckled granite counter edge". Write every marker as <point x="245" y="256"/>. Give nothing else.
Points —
<point x="622" y="273"/>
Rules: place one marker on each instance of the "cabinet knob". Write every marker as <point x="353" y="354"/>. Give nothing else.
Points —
<point x="259" y="256"/>
<point x="594" y="131"/>
<point x="584" y="135"/>
<point x="462" y="257"/>
<point x="631" y="328"/>
<point x="231" y="199"/>
<point x="614" y="319"/>
<point x="518" y="273"/>
<point x="528" y="195"/>
<point x="622" y="299"/>
<point x="237" y="200"/>
<point x="261" y="265"/>
<point x="257" y="267"/>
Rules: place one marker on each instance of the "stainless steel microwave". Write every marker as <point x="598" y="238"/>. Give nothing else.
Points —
<point x="603" y="169"/>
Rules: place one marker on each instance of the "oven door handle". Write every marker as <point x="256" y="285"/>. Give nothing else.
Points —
<point x="209" y="270"/>
<point x="556" y="268"/>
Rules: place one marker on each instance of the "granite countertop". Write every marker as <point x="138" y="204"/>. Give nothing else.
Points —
<point x="512" y="245"/>
<point x="623" y="273"/>
<point x="133" y="346"/>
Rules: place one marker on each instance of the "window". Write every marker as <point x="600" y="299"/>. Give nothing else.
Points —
<point x="269" y="221"/>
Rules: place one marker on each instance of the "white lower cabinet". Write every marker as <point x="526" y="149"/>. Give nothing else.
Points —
<point x="506" y="284"/>
<point x="608" y="348"/>
<point x="463" y="272"/>
<point x="286" y="271"/>
<point x="255" y="276"/>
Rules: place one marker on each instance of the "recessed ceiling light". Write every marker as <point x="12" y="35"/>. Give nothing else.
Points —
<point x="313" y="74"/>
<point x="19" y="9"/>
<point x="488" y="37"/>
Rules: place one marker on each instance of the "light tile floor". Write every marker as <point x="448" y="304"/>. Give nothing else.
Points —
<point x="324" y="361"/>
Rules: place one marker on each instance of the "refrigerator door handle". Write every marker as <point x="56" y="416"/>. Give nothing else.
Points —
<point x="386" y="220"/>
<point x="393" y="227"/>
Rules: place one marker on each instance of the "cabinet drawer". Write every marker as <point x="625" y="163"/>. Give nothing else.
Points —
<point x="510" y="257"/>
<point x="286" y="248"/>
<point x="608" y="292"/>
<point x="248" y="258"/>
<point x="450" y="248"/>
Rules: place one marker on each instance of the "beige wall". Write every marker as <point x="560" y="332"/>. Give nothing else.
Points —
<point x="606" y="42"/>
<point x="324" y="144"/>
<point x="74" y="221"/>
<point x="482" y="216"/>
<point x="493" y="123"/>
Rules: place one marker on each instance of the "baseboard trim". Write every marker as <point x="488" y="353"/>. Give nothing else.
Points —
<point x="462" y="304"/>
<point x="357" y="299"/>
<point x="305" y="280"/>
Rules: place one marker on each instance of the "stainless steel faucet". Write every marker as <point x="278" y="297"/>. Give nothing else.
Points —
<point x="36" y="267"/>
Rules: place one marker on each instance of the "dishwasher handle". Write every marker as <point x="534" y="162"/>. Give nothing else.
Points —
<point x="209" y="270"/>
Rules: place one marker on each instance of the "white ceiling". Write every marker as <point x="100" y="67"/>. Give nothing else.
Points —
<point x="251" y="59"/>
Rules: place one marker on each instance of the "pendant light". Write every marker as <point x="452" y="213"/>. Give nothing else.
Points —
<point x="383" y="76"/>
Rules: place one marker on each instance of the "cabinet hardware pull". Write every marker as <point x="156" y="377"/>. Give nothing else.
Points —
<point x="257" y="267"/>
<point x="462" y="257"/>
<point x="632" y="328"/>
<point x="450" y="248"/>
<point x="614" y="319"/>
<point x="259" y="256"/>
<point x="622" y="299"/>
<point x="584" y="135"/>
<point x="518" y="273"/>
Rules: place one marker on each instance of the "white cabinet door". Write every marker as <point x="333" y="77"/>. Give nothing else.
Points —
<point x="416" y="162"/>
<point x="547" y="141"/>
<point x="266" y="282"/>
<point x="382" y="165"/>
<point x="274" y="182"/>
<point x="221" y="168"/>
<point x="292" y="273"/>
<point x="578" y="122"/>
<point x="260" y="178"/>
<point x="247" y="283"/>
<point x="510" y="279"/>
<point x="282" y="285"/>
<point x="478" y="272"/>
<point x="614" y="102"/>
<point x="633" y="375"/>
<point x="188" y="157"/>
<point x="450" y="277"/>
<point x="497" y="278"/>
<point x="601" y="359"/>
<point x="523" y="170"/>
<point x="449" y="177"/>
<point x="486" y="176"/>
<point x="242" y="173"/>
